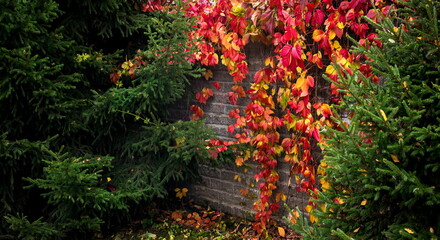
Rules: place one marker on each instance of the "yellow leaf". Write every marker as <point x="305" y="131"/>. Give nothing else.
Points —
<point x="395" y="159"/>
<point x="208" y="74"/>
<point x="313" y="219"/>
<point x="280" y="197"/>
<point x="237" y="177"/>
<point x="340" y="25"/>
<point x="324" y="184"/>
<point x="330" y="70"/>
<point x="99" y="235"/>
<point x="323" y="207"/>
<point x="309" y="208"/>
<point x="357" y="229"/>
<point x="235" y="46"/>
<point x="336" y="45"/>
<point x="180" y="193"/>
<point x="343" y="61"/>
<point x="180" y="140"/>
<point x="300" y="82"/>
<point x="409" y="231"/>
<point x="331" y="34"/>
<point x="364" y="202"/>
<point x="269" y="61"/>
<point x="281" y="231"/>
<point x="384" y="116"/>
<point x="363" y="171"/>
<point x="293" y="216"/>
<point x="323" y="164"/>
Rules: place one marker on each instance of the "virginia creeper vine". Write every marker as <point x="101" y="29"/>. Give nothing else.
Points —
<point x="306" y="37"/>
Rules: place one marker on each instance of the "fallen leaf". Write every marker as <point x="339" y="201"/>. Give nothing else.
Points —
<point x="281" y="231"/>
<point x="177" y="215"/>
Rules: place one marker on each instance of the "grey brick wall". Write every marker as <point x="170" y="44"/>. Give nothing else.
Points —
<point x="218" y="188"/>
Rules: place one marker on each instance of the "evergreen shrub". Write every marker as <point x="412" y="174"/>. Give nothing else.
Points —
<point x="382" y="164"/>
<point x="73" y="158"/>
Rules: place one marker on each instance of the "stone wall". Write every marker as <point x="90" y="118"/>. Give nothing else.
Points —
<point x="220" y="188"/>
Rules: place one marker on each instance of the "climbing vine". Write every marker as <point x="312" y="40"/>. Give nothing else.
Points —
<point x="306" y="38"/>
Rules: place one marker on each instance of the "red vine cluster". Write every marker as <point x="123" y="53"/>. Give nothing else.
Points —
<point x="307" y="37"/>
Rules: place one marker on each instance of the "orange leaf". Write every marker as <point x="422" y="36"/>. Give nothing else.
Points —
<point x="313" y="218"/>
<point x="309" y="208"/>
<point x="281" y="231"/>
<point x="280" y="197"/>
<point x="208" y="74"/>
<point x="177" y="216"/>
<point x="239" y="161"/>
<point x="244" y="191"/>
<point x="191" y="222"/>
<point x="239" y="90"/>
<point x="318" y="35"/>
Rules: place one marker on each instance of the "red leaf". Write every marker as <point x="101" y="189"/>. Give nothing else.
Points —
<point x="231" y="129"/>
<point x="197" y="112"/>
<point x="285" y="51"/>
<point x="216" y="85"/>
<point x="318" y="18"/>
<point x="310" y="81"/>
<point x="274" y="206"/>
<point x="234" y="113"/>
<point x="297" y="52"/>
<point x="232" y="96"/>
<point x="258" y="76"/>
<point x="203" y="96"/>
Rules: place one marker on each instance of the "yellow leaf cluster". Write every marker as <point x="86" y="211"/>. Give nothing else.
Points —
<point x="180" y="193"/>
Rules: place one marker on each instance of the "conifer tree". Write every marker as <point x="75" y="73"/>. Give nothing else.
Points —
<point x="382" y="164"/>
<point x="72" y="155"/>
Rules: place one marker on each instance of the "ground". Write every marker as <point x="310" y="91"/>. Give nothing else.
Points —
<point x="191" y="221"/>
